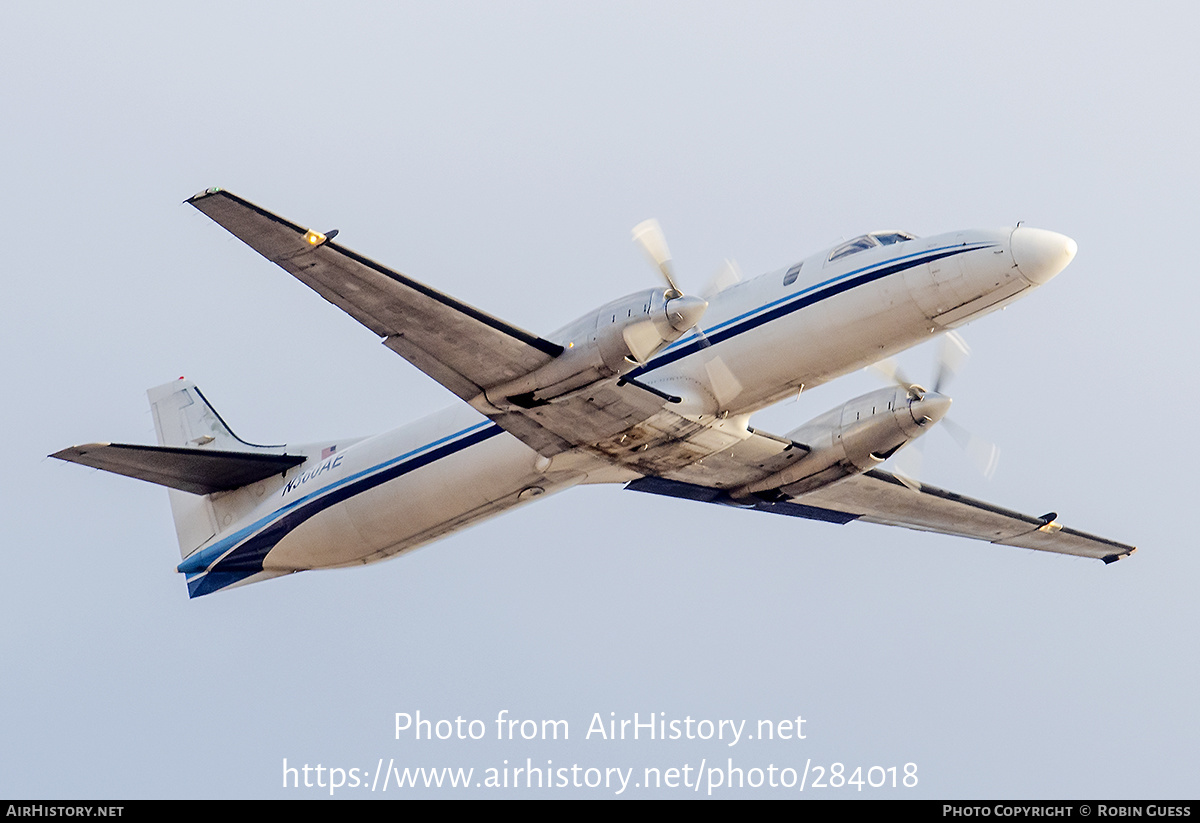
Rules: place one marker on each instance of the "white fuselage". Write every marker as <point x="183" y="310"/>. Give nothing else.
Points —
<point x="394" y="492"/>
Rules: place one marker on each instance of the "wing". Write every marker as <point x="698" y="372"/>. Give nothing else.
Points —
<point x="461" y="347"/>
<point x="458" y="345"/>
<point x="878" y="497"/>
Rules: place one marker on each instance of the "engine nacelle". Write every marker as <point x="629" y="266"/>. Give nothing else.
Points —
<point x="851" y="439"/>
<point x="607" y="342"/>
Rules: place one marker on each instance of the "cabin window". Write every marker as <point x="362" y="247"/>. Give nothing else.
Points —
<point x="792" y="274"/>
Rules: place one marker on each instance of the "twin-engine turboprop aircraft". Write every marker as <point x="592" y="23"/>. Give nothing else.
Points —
<point x="654" y="390"/>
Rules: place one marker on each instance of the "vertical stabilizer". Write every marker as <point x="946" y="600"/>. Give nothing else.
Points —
<point x="182" y="417"/>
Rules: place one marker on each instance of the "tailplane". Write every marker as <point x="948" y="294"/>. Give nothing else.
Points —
<point x="197" y="457"/>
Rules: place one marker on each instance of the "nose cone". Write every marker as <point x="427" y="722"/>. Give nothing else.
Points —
<point x="685" y="312"/>
<point x="1041" y="254"/>
<point x="929" y="409"/>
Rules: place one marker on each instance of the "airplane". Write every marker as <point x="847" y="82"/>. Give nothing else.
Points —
<point x="654" y="390"/>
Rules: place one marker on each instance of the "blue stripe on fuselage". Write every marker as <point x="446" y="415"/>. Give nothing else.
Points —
<point x="786" y="305"/>
<point x="241" y="554"/>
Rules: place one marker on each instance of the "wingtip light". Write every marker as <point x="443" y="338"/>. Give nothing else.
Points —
<point x="201" y="194"/>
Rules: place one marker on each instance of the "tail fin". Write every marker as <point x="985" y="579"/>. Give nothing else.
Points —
<point x="184" y="418"/>
<point x="214" y="478"/>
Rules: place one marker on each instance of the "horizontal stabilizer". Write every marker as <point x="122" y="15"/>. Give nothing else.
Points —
<point x="199" y="471"/>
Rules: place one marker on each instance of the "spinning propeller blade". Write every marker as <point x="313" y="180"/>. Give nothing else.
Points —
<point x="951" y="357"/>
<point x="649" y="235"/>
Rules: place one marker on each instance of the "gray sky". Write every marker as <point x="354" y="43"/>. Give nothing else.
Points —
<point x="501" y="152"/>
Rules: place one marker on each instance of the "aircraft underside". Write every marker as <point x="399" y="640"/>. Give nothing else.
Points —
<point x="654" y="390"/>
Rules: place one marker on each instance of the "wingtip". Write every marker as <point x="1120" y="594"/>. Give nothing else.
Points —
<point x="1113" y="558"/>
<point x="72" y="453"/>
<point x="200" y="195"/>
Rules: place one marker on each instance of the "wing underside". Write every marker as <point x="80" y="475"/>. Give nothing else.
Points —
<point x="878" y="497"/>
<point x="458" y="345"/>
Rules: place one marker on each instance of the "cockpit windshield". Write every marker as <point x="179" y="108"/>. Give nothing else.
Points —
<point x="853" y="247"/>
<point x="887" y="238"/>
<point x="869" y="241"/>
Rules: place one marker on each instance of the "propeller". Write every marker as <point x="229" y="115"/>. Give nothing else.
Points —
<point x="649" y="235"/>
<point x="730" y="274"/>
<point x="687" y="311"/>
<point x="951" y="357"/>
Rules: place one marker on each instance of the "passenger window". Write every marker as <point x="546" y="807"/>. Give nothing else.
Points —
<point x="792" y="274"/>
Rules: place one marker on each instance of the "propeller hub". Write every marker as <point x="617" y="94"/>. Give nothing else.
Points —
<point x="685" y="311"/>
<point x="930" y="408"/>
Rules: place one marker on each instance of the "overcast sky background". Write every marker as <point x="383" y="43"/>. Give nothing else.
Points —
<point x="501" y="152"/>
